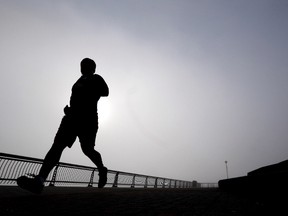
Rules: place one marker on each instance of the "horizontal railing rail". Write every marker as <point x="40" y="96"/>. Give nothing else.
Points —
<point x="66" y="174"/>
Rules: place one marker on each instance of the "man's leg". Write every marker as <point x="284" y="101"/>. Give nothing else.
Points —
<point x="52" y="158"/>
<point x="87" y="137"/>
<point x="65" y="136"/>
<point x="95" y="157"/>
<point x="36" y="184"/>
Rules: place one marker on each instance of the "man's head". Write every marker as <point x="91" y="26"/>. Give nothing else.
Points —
<point x="88" y="66"/>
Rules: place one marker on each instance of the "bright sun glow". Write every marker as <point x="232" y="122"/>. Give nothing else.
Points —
<point x="104" y="110"/>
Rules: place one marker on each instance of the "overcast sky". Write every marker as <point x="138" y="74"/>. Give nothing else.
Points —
<point x="192" y="82"/>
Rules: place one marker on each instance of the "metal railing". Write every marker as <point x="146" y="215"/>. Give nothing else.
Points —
<point x="65" y="174"/>
<point x="208" y="185"/>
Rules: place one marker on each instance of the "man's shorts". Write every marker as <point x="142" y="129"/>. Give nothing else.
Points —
<point x="71" y="128"/>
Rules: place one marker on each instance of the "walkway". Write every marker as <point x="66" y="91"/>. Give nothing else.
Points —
<point x="123" y="201"/>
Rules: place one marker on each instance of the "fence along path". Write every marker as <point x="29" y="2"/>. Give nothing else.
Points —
<point x="65" y="174"/>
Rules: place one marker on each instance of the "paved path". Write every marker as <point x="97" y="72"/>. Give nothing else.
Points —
<point x="123" y="201"/>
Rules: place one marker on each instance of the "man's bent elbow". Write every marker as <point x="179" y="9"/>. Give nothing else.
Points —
<point x="105" y="93"/>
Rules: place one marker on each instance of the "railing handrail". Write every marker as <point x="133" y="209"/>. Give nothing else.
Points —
<point x="20" y="157"/>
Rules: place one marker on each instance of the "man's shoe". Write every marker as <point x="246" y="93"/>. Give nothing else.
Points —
<point x="102" y="177"/>
<point x="33" y="185"/>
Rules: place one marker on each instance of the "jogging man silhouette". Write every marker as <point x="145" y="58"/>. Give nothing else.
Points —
<point x="80" y="120"/>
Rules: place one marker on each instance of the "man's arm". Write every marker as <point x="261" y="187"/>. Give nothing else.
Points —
<point x="105" y="91"/>
<point x="103" y="87"/>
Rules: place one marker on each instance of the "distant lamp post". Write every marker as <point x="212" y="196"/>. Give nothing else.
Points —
<point x="226" y="163"/>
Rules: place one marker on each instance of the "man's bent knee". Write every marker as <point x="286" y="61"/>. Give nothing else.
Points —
<point x="88" y="150"/>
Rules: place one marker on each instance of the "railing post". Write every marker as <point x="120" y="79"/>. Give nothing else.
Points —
<point x="170" y="183"/>
<point x="156" y="183"/>
<point x="175" y="184"/>
<point x="163" y="185"/>
<point x="115" y="184"/>
<point x="91" y="179"/>
<point x="133" y="181"/>
<point x="53" y="180"/>
<point x="146" y="182"/>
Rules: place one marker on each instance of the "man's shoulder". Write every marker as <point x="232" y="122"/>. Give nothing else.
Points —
<point x="97" y="77"/>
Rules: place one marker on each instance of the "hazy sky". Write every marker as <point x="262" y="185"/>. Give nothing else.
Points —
<point x="192" y="82"/>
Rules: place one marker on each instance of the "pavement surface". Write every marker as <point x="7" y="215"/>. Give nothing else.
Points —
<point x="125" y="201"/>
